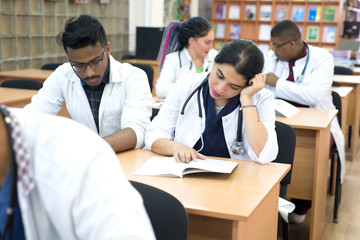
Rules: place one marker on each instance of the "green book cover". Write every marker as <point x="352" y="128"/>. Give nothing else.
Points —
<point x="329" y="13"/>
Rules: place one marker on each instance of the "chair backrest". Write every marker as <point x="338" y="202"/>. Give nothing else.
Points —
<point x="149" y="72"/>
<point x="22" y="84"/>
<point x="286" y="141"/>
<point x="342" y="70"/>
<point x="155" y="112"/>
<point x="50" y="66"/>
<point x="127" y="56"/>
<point x="337" y="103"/>
<point x="168" y="216"/>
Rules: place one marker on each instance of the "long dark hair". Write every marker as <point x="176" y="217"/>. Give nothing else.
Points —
<point x="176" y="35"/>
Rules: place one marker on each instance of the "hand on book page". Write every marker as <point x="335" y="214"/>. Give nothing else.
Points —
<point x="167" y="166"/>
<point x="285" y="109"/>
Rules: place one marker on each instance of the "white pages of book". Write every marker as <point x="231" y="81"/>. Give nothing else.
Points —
<point x="285" y="109"/>
<point x="167" y="166"/>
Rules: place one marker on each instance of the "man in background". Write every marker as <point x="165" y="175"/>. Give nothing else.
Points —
<point x="302" y="75"/>
<point x="111" y="98"/>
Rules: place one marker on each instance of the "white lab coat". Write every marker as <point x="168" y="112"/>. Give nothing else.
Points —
<point x="80" y="189"/>
<point x="171" y="69"/>
<point x="125" y="102"/>
<point x="314" y="90"/>
<point x="187" y="128"/>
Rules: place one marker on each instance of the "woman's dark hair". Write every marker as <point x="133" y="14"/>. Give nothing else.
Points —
<point x="81" y="32"/>
<point x="176" y="35"/>
<point x="195" y="27"/>
<point x="244" y="56"/>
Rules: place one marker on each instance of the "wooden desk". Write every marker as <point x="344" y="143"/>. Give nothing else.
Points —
<point x="153" y="63"/>
<point x="14" y="97"/>
<point x="353" y="110"/>
<point x="240" y="205"/>
<point x="310" y="168"/>
<point x="356" y="71"/>
<point x="344" y="94"/>
<point x="31" y="74"/>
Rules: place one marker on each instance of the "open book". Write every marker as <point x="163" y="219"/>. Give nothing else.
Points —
<point x="285" y="109"/>
<point x="167" y="166"/>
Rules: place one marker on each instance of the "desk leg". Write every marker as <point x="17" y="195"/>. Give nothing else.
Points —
<point x="318" y="210"/>
<point x="261" y="224"/>
<point x="353" y="115"/>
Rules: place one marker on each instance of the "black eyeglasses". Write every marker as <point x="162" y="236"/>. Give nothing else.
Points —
<point x="280" y="45"/>
<point x="80" y="67"/>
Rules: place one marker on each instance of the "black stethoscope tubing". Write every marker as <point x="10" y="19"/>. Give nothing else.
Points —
<point x="238" y="147"/>
<point x="301" y="77"/>
<point x="190" y="62"/>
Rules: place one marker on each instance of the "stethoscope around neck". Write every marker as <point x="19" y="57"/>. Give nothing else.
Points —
<point x="10" y="211"/>
<point x="191" y="63"/>
<point x="238" y="147"/>
<point x="300" y="78"/>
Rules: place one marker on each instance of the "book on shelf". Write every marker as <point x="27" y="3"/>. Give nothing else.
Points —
<point x="314" y="14"/>
<point x="329" y="33"/>
<point x="218" y="45"/>
<point x="234" y="32"/>
<point x="312" y="34"/>
<point x="329" y="13"/>
<point x="168" y="167"/>
<point x="250" y="12"/>
<point x="264" y="32"/>
<point x="265" y="12"/>
<point x="220" y="11"/>
<point x="264" y="48"/>
<point x="298" y="13"/>
<point x="281" y="12"/>
<point x="220" y="30"/>
<point x="234" y="12"/>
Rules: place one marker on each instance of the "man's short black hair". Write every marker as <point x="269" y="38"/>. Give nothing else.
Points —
<point x="81" y="32"/>
<point x="286" y="30"/>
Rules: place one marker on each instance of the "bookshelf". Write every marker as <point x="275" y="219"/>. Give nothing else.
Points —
<point x="320" y="21"/>
<point x="29" y="29"/>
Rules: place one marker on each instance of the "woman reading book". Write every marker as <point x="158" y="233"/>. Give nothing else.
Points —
<point x="225" y="113"/>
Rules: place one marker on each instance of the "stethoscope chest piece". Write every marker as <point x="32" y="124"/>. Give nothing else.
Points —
<point x="238" y="148"/>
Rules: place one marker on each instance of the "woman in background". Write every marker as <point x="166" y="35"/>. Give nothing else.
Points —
<point x="225" y="113"/>
<point x="186" y="47"/>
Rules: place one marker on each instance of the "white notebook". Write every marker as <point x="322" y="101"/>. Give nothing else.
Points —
<point x="285" y="109"/>
<point x="167" y="166"/>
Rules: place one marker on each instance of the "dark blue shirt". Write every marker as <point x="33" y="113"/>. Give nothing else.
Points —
<point x="18" y="227"/>
<point x="94" y="95"/>
<point x="213" y="135"/>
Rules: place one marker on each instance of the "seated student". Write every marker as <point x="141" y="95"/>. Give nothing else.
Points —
<point x="204" y="113"/>
<point x="111" y="98"/>
<point x="302" y="75"/>
<point x="63" y="181"/>
<point x="187" y="47"/>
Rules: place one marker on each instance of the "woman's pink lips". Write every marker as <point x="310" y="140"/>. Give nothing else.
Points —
<point x="215" y="93"/>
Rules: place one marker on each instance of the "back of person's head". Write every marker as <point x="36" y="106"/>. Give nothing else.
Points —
<point x="244" y="56"/>
<point x="82" y="31"/>
<point x="286" y="30"/>
<point x="176" y="35"/>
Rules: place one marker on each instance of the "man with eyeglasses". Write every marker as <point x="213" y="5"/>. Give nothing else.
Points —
<point x="111" y="98"/>
<point x="302" y="75"/>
